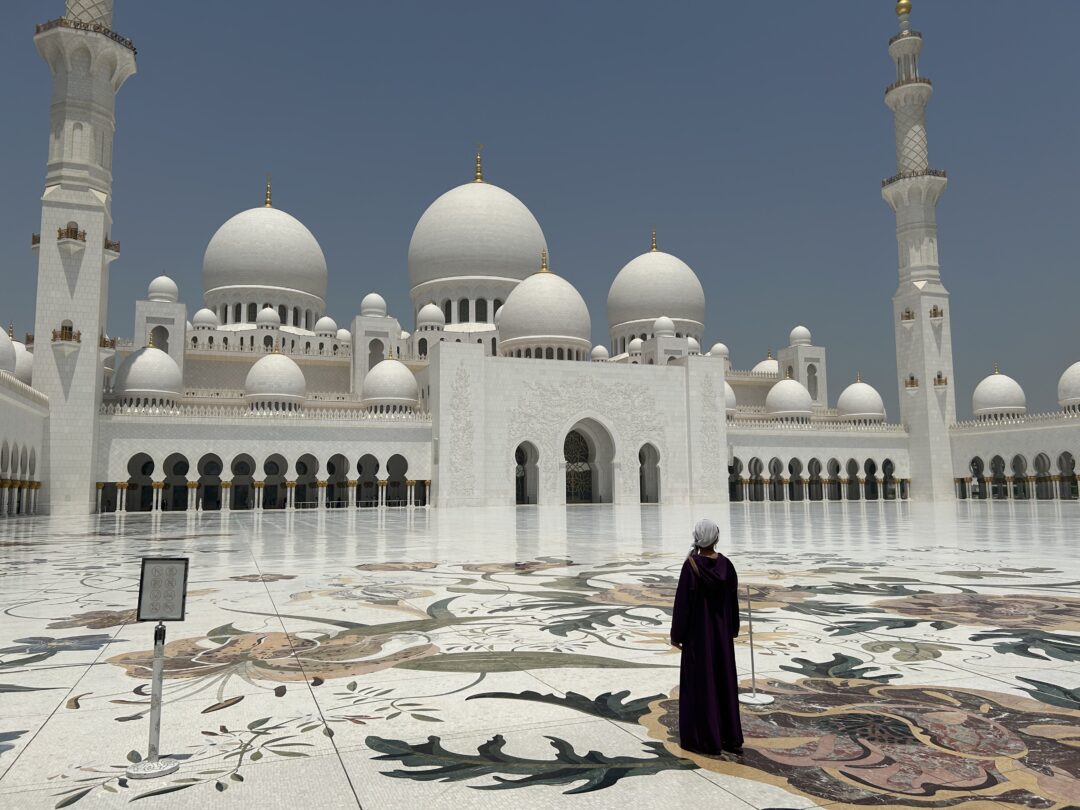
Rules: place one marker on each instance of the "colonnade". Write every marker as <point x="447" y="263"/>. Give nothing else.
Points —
<point x="807" y="488"/>
<point x="1018" y="487"/>
<point x="417" y="494"/>
<point x="18" y="497"/>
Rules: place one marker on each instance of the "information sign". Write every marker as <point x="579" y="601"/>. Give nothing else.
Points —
<point x="163" y="589"/>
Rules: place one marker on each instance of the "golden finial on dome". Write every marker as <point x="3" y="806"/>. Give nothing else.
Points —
<point x="996" y="370"/>
<point x="479" y="176"/>
<point x="903" y="7"/>
<point x="788" y="375"/>
<point x="543" y="261"/>
<point x="150" y="339"/>
<point x="858" y="376"/>
<point x="653" y="248"/>
<point x="11" y="330"/>
<point x="769" y="355"/>
<point x="277" y="347"/>
<point x="269" y="193"/>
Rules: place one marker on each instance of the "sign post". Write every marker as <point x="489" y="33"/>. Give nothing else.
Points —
<point x="753" y="699"/>
<point x="162" y="598"/>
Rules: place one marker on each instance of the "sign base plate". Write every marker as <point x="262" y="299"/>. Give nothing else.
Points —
<point x="760" y="699"/>
<point x="150" y="770"/>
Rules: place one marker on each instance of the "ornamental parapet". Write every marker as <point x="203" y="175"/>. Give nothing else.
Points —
<point x="203" y="345"/>
<point x="1011" y="421"/>
<point x="733" y="374"/>
<point x="908" y="175"/>
<point x="79" y="25"/>
<point x="112" y="245"/>
<point x="71" y="233"/>
<point x="238" y="411"/>
<point x="774" y="426"/>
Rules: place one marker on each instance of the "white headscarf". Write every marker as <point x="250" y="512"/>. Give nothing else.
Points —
<point x="706" y="533"/>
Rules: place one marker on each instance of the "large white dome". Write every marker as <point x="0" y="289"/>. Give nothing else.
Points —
<point x="998" y="395"/>
<point x="163" y="288"/>
<point x="148" y="373"/>
<point x="476" y="229"/>
<point x="655" y="284"/>
<point x="431" y="317"/>
<point x="731" y="402"/>
<point x="1069" y="387"/>
<point x="265" y="247"/>
<point x="770" y="365"/>
<point x="789" y="399"/>
<point x="275" y="378"/>
<point x="861" y="402"/>
<point x="7" y="353"/>
<point x="24" y="363"/>
<point x="545" y="308"/>
<point x="390" y="384"/>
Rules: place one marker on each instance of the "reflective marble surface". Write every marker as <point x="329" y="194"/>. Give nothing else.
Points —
<point x="919" y="657"/>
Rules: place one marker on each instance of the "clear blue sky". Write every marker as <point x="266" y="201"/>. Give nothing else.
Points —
<point x="753" y="135"/>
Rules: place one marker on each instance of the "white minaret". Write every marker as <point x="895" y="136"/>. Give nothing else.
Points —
<point x="89" y="63"/>
<point x="921" y="313"/>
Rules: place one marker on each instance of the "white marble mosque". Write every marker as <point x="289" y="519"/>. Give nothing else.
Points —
<point x="258" y="400"/>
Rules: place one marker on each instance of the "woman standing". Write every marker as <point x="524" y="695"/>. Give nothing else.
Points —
<point x="704" y="624"/>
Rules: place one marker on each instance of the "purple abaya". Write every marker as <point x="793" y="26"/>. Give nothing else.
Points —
<point x="705" y="622"/>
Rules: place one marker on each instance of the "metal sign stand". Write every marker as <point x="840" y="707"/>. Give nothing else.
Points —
<point x="753" y="699"/>
<point x="152" y="766"/>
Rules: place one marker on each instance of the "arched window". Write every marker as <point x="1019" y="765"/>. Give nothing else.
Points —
<point x="463" y="311"/>
<point x="812" y="381"/>
<point x="481" y="310"/>
<point x="421" y="347"/>
<point x="447" y="309"/>
<point x="252" y="313"/>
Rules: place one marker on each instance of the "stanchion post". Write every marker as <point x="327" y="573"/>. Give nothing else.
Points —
<point x="153" y="765"/>
<point x="753" y="699"/>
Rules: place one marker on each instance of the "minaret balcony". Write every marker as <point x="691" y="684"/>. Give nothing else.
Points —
<point x="35" y="241"/>
<point x="905" y="35"/>
<point x="70" y="240"/>
<point x="112" y="249"/>
<point x="937" y="314"/>
<point x="66" y="340"/>
<point x="909" y="175"/>
<point x="905" y="82"/>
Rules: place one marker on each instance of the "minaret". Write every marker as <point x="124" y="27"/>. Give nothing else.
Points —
<point x="89" y="63"/>
<point x="921" y="303"/>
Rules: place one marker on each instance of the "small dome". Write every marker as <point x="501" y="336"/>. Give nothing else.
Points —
<point x="693" y="346"/>
<point x="767" y="366"/>
<point x="24" y="363"/>
<point x="163" y="288"/>
<point x="7" y="353"/>
<point x="789" y="399"/>
<point x="860" y="402"/>
<point x="205" y="319"/>
<point x="148" y="373"/>
<point x="268" y="317"/>
<point x="655" y="284"/>
<point x="719" y="350"/>
<point x="663" y="327"/>
<point x="265" y="247"/>
<point x="800" y="336"/>
<point x="390" y="384"/>
<point x="1069" y="387"/>
<point x="998" y="395"/>
<point x="635" y="346"/>
<point x="476" y="229"/>
<point x="275" y="378"/>
<point x="326" y="326"/>
<point x="600" y="353"/>
<point x="730" y="402"/>
<point x="545" y="307"/>
<point x="373" y="306"/>
<point x="431" y="317"/>
<point x="344" y="334"/>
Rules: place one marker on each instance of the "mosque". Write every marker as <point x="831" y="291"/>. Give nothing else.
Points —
<point x="259" y="400"/>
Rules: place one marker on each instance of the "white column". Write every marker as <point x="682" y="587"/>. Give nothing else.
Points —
<point x="290" y="495"/>
<point x="321" y="487"/>
<point x="192" y="495"/>
<point x="381" y="489"/>
<point x="121" y="496"/>
<point x="4" y="489"/>
<point x="226" y="496"/>
<point x="351" y="485"/>
<point x="100" y="490"/>
<point x="409" y="487"/>
<point x="258" y="487"/>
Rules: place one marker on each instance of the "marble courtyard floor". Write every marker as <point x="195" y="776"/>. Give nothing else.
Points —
<point x="919" y="657"/>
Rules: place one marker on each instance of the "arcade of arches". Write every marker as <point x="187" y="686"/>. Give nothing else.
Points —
<point x="18" y="485"/>
<point x="1001" y="480"/>
<point x="275" y="483"/>
<point x="814" y="481"/>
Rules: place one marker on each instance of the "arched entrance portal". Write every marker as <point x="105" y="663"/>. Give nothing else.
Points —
<point x="526" y="474"/>
<point x="589" y="452"/>
<point x="649" y="474"/>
